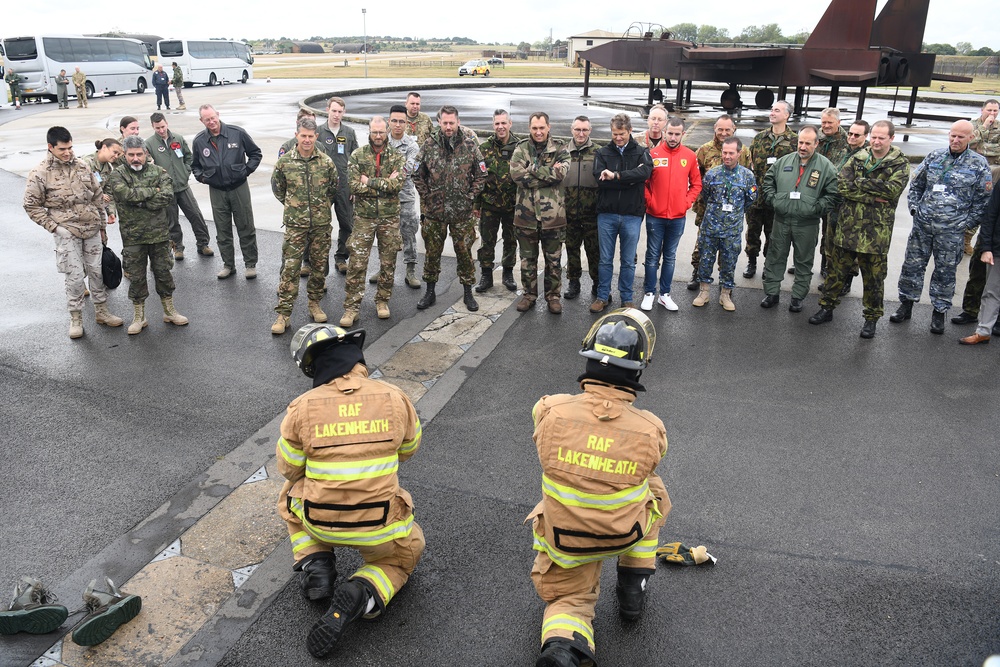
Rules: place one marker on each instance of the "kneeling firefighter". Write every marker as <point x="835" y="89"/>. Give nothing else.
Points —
<point x="339" y="450"/>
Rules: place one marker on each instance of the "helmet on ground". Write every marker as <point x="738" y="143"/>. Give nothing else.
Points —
<point x="624" y="337"/>
<point x="313" y="338"/>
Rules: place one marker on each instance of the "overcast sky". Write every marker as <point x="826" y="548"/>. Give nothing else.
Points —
<point x="512" y="21"/>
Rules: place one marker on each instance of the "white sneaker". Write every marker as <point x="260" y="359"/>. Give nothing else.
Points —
<point x="647" y="301"/>
<point x="667" y="302"/>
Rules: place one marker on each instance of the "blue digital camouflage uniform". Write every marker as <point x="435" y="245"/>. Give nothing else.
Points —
<point x="948" y="195"/>
<point x="727" y="194"/>
<point x="709" y="155"/>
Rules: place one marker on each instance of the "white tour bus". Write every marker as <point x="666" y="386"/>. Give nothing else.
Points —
<point x="110" y="63"/>
<point x="209" y="61"/>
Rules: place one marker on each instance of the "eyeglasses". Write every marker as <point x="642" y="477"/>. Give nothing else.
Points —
<point x="854" y="134"/>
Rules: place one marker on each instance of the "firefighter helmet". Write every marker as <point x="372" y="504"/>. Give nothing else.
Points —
<point x="312" y="338"/>
<point x="624" y="337"/>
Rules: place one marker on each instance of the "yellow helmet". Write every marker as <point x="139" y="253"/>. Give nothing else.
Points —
<point x="310" y="339"/>
<point x="624" y="337"/>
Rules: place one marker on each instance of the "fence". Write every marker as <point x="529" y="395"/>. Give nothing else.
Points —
<point x="989" y="68"/>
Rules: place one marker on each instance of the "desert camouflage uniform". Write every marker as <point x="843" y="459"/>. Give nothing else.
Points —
<point x="80" y="83"/>
<point x="496" y="203"/>
<point x="449" y="178"/>
<point x="540" y="214"/>
<point x="719" y="233"/>
<point x="580" y="192"/>
<point x="376" y="215"/>
<point x="419" y="127"/>
<point x="760" y="217"/>
<point x="863" y="230"/>
<point x="142" y="198"/>
<point x="409" y="210"/>
<point x="102" y="171"/>
<point x="306" y="187"/>
<point x="178" y="81"/>
<point x="68" y="195"/>
<point x="940" y="220"/>
<point x="709" y="155"/>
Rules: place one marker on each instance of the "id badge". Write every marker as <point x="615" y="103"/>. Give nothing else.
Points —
<point x="178" y="152"/>
<point x="795" y="195"/>
<point x="97" y="175"/>
<point x="772" y="160"/>
<point x="340" y="149"/>
<point x="940" y="187"/>
<point x="727" y="208"/>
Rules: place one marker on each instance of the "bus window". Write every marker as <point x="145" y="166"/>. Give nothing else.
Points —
<point x="171" y="49"/>
<point x="22" y="48"/>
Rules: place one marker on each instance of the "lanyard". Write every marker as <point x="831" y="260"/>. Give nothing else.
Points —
<point x="869" y="170"/>
<point x="802" y="170"/>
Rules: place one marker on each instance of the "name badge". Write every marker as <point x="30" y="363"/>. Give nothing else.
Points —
<point x="772" y="160"/>
<point x="340" y="149"/>
<point x="940" y="187"/>
<point x="727" y="208"/>
<point x="795" y="195"/>
<point x="97" y="175"/>
<point x="178" y="152"/>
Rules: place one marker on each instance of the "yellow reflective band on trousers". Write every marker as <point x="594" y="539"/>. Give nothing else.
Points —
<point x="348" y="470"/>
<point x="409" y="446"/>
<point x="301" y="540"/>
<point x="376" y="577"/>
<point x="567" y="495"/>
<point x="569" y="624"/>
<point x="352" y="538"/>
<point x="643" y="549"/>
<point x="295" y="457"/>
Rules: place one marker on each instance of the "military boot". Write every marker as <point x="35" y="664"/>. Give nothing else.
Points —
<point x="108" y="612"/>
<point x="726" y="299"/>
<point x="75" y="324"/>
<point x="348" y="604"/>
<point x="937" y="322"/>
<point x="318" y="574"/>
<point x="751" y="268"/>
<point x="280" y="325"/>
<point x="139" y="321"/>
<point x="428" y="299"/>
<point x="468" y="299"/>
<point x="703" y="296"/>
<point x="558" y="652"/>
<point x="316" y="312"/>
<point x="574" y="289"/>
<point x="170" y="314"/>
<point x="32" y="610"/>
<point x="631" y="592"/>
<point x="507" y="279"/>
<point x="902" y="313"/>
<point x="485" y="280"/>
<point x="411" y="276"/>
<point x="694" y="282"/>
<point x="105" y="316"/>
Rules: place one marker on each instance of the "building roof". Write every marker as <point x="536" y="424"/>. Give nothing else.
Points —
<point x="603" y="34"/>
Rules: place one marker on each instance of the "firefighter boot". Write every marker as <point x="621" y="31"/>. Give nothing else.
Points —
<point x="108" y="612"/>
<point x="170" y="314"/>
<point x="139" y="321"/>
<point x="558" y="652"/>
<point x="631" y="591"/>
<point x="428" y="299"/>
<point x="105" y="316"/>
<point x="75" y="324"/>
<point x="348" y="604"/>
<point x="411" y="275"/>
<point x="32" y="610"/>
<point x="318" y="574"/>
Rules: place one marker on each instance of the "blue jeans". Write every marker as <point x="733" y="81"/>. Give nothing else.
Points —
<point x="662" y="237"/>
<point x="611" y="226"/>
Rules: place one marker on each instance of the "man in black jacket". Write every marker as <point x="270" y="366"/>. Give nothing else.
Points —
<point x="621" y="169"/>
<point x="989" y="243"/>
<point x="224" y="156"/>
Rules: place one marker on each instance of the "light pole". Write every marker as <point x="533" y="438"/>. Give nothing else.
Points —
<point x="364" y="24"/>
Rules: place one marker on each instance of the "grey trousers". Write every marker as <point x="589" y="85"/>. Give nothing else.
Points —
<point x="989" y="307"/>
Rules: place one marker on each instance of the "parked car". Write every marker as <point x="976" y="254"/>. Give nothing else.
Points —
<point x="474" y="67"/>
<point x="495" y="60"/>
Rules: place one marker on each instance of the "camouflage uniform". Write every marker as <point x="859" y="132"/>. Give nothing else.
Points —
<point x="409" y="211"/>
<point x="833" y="147"/>
<point x="288" y="146"/>
<point x="864" y="226"/>
<point x="69" y="195"/>
<point x="306" y="187"/>
<point x="80" y="83"/>
<point x="376" y="215"/>
<point x="450" y="176"/>
<point x="986" y="140"/>
<point x="339" y="147"/>
<point x="830" y="219"/>
<point x="948" y="195"/>
<point x="142" y="198"/>
<point x="178" y="81"/>
<point x="580" y="192"/>
<point x="719" y="233"/>
<point x="709" y="155"/>
<point x="540" y="214"/>
<point x="496" y="203"/>
<point x="765" y="148"/>
<point x="102" y="171"/>
<point x="419" y="127"/>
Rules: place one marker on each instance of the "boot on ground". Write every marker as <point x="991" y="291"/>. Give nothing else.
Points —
<point x="507" y="279"/>
<point x="428" y="299"/>
<point x="348" y="604"/>
<point x="32" y="610"/>
<point x="703" y="296"/>
<point x="75" y="324"/>
<point x="317" y="575"/>
<point x="316" y="312"/>
<point x="726" y="299"/>
<point x="170" y="314"/>
<point x="280" y="324"/>
<point x="903" y="313"/>
<point x="139" y="321"/>
<point x="573" y="291"/>
<point x="469" y="299"/>
<point x="631" y="592"/>
<point x="105" y="316"/>
<point x="485" y="281"/>
<point x="108" y="611"/>
<point x="411" y="276"/>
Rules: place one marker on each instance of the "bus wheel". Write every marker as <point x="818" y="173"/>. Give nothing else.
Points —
<point x="140" y="86"/>
<point x="90" y="91"/>
<point x="246" y="77"/>
<point x="212" y="80"/>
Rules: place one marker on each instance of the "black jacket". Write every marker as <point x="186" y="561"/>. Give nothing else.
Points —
<point x="625" y="195"/>
<point x="989" y="232"/>
<point x="224" y="162"/>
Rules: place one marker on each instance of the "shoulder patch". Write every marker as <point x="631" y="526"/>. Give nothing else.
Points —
<point x="482" y="167"/>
